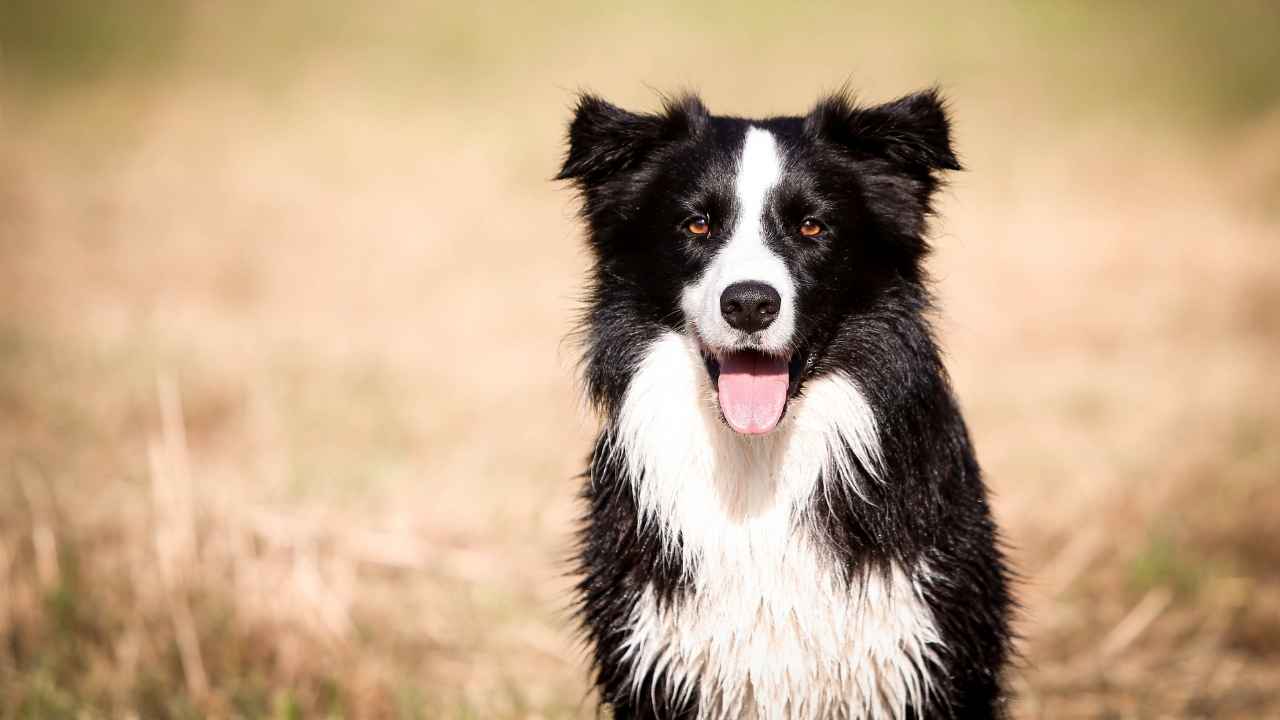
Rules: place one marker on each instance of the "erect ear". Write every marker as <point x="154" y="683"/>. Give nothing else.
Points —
<point x="605" y="140"/>
<point x="912" y="132"/>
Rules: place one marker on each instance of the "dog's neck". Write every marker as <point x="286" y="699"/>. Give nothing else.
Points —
<point x="688" y="466"/>
<point x="770" y="619"/>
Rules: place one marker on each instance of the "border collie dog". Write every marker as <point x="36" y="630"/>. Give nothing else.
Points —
<point x="785" y="517"/>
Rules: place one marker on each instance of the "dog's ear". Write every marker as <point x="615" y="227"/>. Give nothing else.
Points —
<point x="605" y="140"/>
<point x="912" y="132"/>
<point x="902" y="148"/>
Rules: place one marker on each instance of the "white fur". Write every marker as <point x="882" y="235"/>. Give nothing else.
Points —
<point x="770" y="630"/>
<point x="746" y="257"/>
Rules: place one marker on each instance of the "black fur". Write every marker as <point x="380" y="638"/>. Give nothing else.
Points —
<point x="871" y="174"/>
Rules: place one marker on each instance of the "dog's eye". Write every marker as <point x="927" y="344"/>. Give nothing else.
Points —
<point x="811" y="228"/>
<point x="699" y="225"/>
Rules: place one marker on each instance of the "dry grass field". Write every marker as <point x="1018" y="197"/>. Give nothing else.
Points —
<point x="288" y="424"/>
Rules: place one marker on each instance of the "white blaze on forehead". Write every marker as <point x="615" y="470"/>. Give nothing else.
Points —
<point x="758" y="171"/>
<point x="746" y="256"/>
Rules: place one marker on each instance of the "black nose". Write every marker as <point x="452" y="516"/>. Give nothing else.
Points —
<point x="750" y="306"/>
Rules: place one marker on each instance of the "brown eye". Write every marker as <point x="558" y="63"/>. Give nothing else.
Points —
<point x="810" y="228"/>
<point x="699" y="226"/>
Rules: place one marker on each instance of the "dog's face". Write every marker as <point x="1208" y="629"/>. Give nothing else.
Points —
<point x="761" y="240"/>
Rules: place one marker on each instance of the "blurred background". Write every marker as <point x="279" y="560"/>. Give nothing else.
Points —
<point x="288" y="425"/>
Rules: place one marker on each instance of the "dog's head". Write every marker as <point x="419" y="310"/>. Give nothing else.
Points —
<point x="759" y="239"/>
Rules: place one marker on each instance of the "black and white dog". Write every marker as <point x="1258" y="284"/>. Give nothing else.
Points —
<point x="786" y="518"/>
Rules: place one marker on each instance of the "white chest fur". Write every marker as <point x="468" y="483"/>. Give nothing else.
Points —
<point x="770" y="630"/>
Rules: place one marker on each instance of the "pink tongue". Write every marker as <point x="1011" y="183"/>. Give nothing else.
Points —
<point x="753" y="391"/>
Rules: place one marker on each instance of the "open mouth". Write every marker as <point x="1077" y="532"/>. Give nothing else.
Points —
<point x="753" y="388"/>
